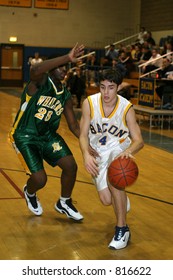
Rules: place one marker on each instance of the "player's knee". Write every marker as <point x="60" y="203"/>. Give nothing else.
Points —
<point x="74" y="167"/>
<point x="71" y="167"/>
<point x="39" y="180"/>
<point x="68" y="166"/>
<point x="106" y="201"/>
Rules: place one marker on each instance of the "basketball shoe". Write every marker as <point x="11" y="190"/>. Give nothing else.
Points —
<point x="33" y="203"/>
<point x="66" y="207"/>
<point x="121" y="238"/>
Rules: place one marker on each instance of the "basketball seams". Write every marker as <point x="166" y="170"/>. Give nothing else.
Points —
<point x="122" y="172"/>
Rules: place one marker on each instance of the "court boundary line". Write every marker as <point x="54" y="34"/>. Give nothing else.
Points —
<point x="12" y="183"/>
<point x="83" y="182"/>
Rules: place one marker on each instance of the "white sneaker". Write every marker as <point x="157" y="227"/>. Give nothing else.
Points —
<point x="68" y="208"/>
<point x="121" y="238"/>
<point x="33" y="203"/>
<point x="128" y="204"/>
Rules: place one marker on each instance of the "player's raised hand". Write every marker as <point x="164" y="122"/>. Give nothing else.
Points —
<point x="76" y="52"/>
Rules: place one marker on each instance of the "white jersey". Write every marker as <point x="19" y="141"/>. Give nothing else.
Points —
<point x="111" y="131"/>
<point x="109" y="136"/>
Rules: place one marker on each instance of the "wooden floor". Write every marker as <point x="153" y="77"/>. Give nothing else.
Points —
<point x="55" y="237"/>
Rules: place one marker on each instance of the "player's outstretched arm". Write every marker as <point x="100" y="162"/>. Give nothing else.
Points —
<point x="37" y="70"/>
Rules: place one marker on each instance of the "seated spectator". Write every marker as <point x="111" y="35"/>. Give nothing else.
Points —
<point x="164" y="90"/>
<point x="110" y="54"/>
<point x="168" y="48"/>
<point x="149" y="39"/>
<point x="146" y="54"/>
<point x="132" y="51"/>
<point x="138" y="53"/>
<point x="126" y="60"/>
<point x="137" y="56"/>
<point x="166" y="68"/>
<point x="153" y="64"/>
<point x="116" y="63"/>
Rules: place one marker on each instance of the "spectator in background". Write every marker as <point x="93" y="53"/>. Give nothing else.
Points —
<point x="91" y="67"/>
<point x="153" y="64"/>
<point x="141" y="35"/>
<point x="165" y="90"/>
<point x="138" y="53"/>
<point x="76" y="83"/>
<point x="90" y="59"/>
<point x="133" y="51"/>
<point x="168" y="48"/>
<point x="36" y="59"/>
<point x="166" y="69"/>
<point x="126" y="60"/>
<point x="110" y="54"/>
<point x="146" y="54"/>
<point x="116" y="63"/>
<point x="149" y="39"/>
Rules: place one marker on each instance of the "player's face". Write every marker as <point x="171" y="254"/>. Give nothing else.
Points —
<point x="108" y="91"/>
<point x="59" y="73"/>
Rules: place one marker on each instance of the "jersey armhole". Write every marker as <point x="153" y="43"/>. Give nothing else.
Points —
<point x="91" y="107"/>
<point x="125" y="113"/>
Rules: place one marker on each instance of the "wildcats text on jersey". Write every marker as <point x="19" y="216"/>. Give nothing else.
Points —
<point x="51" y="103"/>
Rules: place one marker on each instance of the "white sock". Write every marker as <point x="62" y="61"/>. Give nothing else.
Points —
<point x="64" y="198"/>
<point x="29" y="194"/>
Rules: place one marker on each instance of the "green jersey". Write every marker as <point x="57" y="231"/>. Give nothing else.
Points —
<point x="34" y="134"/>
<point x="41" y="113"/>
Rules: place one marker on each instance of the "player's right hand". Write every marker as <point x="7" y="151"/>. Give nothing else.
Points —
<point x="91" y="165"/>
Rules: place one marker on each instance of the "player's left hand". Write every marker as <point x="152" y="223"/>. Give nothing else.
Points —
<point x="76" y="52"/>
<point x="126" y="154"/>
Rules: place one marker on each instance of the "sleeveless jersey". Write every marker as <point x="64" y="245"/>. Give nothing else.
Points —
<point x="107" y="133"/>
<point x="40" y="113"/>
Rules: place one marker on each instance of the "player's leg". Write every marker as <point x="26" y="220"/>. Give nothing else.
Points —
<point x="119" y="202"/>
<point x="68" y="178"/>
<point x="32" y="163"/>
<point x="105" y="196"/>
<point x="57" y="153"/>
<point x="68" y="175"/>
<point x="36" y="181"/>
<point x="122" y="232"/>
<point x="109" y="195"/>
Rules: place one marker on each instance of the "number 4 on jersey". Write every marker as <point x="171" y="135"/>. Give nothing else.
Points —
<point x="102" y="141"/>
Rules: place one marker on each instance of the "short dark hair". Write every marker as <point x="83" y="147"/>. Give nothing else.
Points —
<point x="112" y="75"/>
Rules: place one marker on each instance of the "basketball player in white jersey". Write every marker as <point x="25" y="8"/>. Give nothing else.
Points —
<point x="108" y="124"/>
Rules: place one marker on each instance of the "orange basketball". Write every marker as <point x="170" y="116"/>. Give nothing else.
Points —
<point x="122" y="172"/>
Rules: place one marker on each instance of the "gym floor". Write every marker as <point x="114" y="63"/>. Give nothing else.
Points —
<point x="55" y="237"/>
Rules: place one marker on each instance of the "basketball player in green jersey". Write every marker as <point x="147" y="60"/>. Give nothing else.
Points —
<point x="34" y="133"/>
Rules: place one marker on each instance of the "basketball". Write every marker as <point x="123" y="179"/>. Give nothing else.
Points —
<point x="122" y="172"/>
